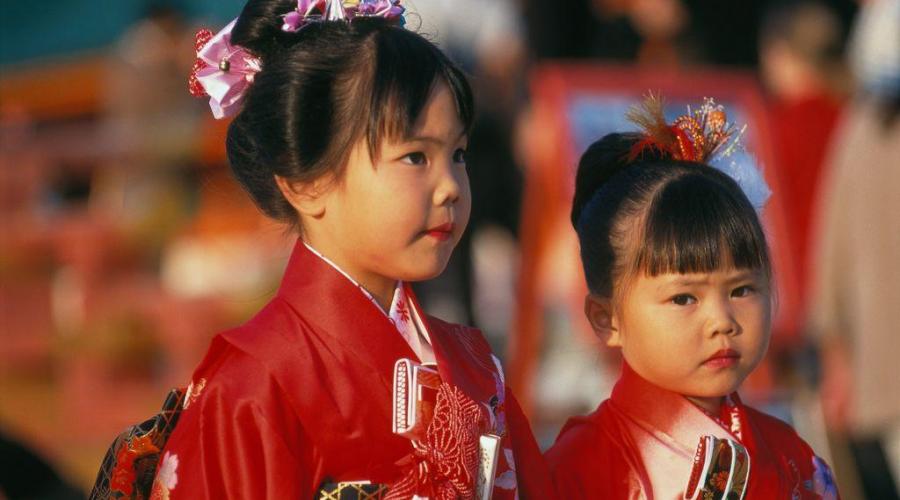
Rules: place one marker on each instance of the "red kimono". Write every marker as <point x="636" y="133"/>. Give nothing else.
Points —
<point x="299" y="399"/>
<point x="642" y="443"/>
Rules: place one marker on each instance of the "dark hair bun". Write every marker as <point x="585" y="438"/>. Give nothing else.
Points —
<point x="602" y="160"/>
<point x="258" y="28"/>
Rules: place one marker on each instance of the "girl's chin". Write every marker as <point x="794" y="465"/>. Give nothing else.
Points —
<point x="719" y="391"/>
<point x="424" y="273"/>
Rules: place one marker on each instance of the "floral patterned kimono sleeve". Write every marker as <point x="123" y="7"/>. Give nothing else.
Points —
<point x="235" y="438"/>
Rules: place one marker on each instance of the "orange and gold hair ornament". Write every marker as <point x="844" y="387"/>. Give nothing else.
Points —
<point x="703" y="135"/>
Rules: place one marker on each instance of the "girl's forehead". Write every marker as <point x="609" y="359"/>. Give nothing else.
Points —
<point x="722" y="275"/>
<point x="440" y="115"/>
<point x="438" y="120"/>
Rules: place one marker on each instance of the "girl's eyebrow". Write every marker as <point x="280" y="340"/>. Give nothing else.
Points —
<point x="743" y="276"/>
<point x="685" y="281"/>
<point x="426" y="138"/>
<point x="682" y="281"/>
<point x="434" y="140"/>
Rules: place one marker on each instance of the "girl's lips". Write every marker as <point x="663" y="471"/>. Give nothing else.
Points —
<point x="723" y="359"/>
<point x="442" y="233"/>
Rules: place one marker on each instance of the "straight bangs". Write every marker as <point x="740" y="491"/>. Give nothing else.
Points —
<point x="406" y="69"/>
<point x="696" y="224"/>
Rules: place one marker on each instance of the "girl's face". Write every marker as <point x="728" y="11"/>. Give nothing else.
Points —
<point x="400" y="216"/>
<point x="697" y="334"/>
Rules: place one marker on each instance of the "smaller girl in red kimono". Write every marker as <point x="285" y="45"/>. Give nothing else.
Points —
<point x="352" y="129"/>
<point x="679" y="276"/>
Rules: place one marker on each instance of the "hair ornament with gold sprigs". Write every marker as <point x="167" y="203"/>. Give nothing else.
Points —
<point x="703" y="135"/>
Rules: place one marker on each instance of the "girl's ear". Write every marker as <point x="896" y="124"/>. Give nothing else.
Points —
<point x="306" y="197"/>
<point x="599" y="312"/>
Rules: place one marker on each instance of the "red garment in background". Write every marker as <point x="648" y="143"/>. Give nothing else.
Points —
<point x="640" y="443"/>
<point x="801" y="133"/>
<point x="301" y="395"/>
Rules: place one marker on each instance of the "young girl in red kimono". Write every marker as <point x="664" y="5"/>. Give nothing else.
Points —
<point x="354" y="130"/>
<point x="679" y="276"/>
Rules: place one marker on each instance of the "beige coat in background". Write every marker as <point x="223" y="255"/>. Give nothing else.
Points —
<point x="855" y="293"/>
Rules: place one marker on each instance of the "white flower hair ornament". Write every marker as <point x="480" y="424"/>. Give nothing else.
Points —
<point x="703" y="135"/>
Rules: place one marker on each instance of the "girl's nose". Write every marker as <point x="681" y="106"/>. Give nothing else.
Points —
<point x="449" y="185"/>
<point x="722" y="321"/>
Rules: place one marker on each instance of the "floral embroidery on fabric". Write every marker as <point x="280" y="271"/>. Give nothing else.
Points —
<point x="400" y="316"/>
<point x="721" y="468"/>
<point x="720" y="480"/>
<point x="734" y="417"/>
<point x="445" y="465"/>
<point x="402" y="312"/>
<point x="729" y="417"/>
<point x="124" y="475"/>
<point x="823" y="482"/>
<point x="193" y="392"/>
<point x="166" y="478"/>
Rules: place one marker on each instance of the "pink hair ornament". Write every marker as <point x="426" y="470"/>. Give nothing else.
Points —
<point x="224" y="71"/>
<point x="312" y="11"/>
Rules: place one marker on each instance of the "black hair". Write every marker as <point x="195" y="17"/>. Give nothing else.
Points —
<point x="322" y="89"/>
<point x="657" y="215"/>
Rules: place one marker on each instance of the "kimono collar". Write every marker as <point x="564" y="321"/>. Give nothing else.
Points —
<point x="305" y="276"/>
<point x="342" y="315"/>
<point x="398" y="288"/>
<point x="666" y="411"/>
<point x="402" y="313"/>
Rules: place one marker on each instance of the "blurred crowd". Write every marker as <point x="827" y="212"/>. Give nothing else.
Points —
<point x="125" y="244"/>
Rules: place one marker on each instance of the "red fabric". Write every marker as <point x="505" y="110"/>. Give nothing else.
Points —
<point x="801" y="133"/>
<point x="301" y="395"/>
<point x="641" y="442"/>
<point x="447" y="464"/>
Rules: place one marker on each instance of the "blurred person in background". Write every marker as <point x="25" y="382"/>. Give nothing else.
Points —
<point x="154" y="126"/>
<point x="657" y="32"/>
<point x="801" y="65"/>
<point x="24" y="474"/>
<point x="855" y="294"/>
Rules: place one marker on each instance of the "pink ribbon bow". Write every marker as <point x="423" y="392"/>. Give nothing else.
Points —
<point x="224" y="72"/>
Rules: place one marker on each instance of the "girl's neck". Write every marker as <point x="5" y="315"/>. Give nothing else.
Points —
<point x="380" y="288"/>
<point x="384" y="295"/>
<point x="382" y="292"/>
<point x="709" y="405"/>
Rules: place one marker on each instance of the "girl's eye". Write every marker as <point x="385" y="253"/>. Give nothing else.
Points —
<point x="743" y="291"/>
<point x="416" y="158"/>
<point x="459" y="156"/>
<point x="683" y="299"/>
